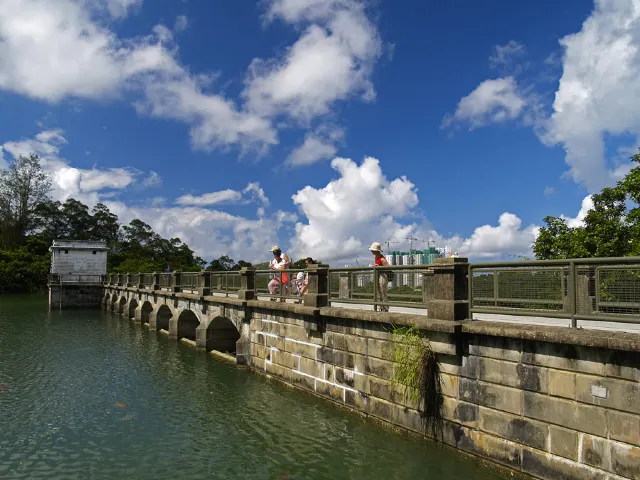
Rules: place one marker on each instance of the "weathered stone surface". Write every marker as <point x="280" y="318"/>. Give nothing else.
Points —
<point x="492" y="396"/>
<point x="349" y="343"/>
<point x="563" y="442"/>
<point x="595" y="452"/>
<point x="519" y="375"/>
<point x="625" y="460"/>
<point x="549" y="467"/>
<point x="501" y="348"/>
<point x="379" y="368"/>
<point x="449" y="385"/>
<point x="584" y="418"/>
<point x="617" y="394"/>
<point x="624" y="365"/>
<point x="523" y="431"/>
<point x="564" y="356"/>
<point x="562" y="384"/>
<point x="380" y="348"/>
<point x="302" y="349"/>
<point x="460" y="412"/>
<point x="624" y="427"/>
<point x="311" y="367"/>
<point x="482" y="444"/>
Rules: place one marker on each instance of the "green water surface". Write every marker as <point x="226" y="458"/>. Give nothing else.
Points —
<point x="87" y="395"/>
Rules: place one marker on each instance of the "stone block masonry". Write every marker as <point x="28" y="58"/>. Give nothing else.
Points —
<point x="546" y="402"/>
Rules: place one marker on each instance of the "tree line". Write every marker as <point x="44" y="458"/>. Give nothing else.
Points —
<point x="30" y="220"/>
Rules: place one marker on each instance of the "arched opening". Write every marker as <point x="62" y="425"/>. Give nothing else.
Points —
<point x="121" y="304"/>
<point x="114" y="302"/>
<point x="106" y="298"/>
<point x="133" y="304"/>
<point x="147" y="308"/>
<point x="163" y="317"/>
<point x="222" y="335"/>
<point x="187" y="324"/>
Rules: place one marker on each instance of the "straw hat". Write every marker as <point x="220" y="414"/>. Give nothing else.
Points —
<point x="275" y="248"/>
<point x="375" y="247"/>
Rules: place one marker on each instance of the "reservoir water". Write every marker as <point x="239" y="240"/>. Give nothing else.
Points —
<point x="88" y="395"/>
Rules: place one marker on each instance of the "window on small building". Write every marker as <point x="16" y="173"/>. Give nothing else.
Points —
<point x="66" y="251"/>
<point x="95" y="252"/>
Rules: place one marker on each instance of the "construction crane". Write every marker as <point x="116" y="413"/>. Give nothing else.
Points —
<point x="411" y="240"/>
<point x="390" y="242"/>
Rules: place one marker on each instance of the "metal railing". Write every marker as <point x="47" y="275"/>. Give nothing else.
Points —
<point x="225" y="283"/>
<point x="382" y="287"/>
<point x="166" y="281"/>
<point x="147" y="280"/>
<point x="600" y="289"/>
<point x="190" y="281"/>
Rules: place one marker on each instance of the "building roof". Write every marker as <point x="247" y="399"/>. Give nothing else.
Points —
<point x="80" y="244"/>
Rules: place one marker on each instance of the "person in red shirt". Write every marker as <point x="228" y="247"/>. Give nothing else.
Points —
<point x="383" y="281"/>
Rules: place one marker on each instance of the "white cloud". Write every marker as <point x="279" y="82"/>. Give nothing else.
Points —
<point x="182" y="22"/>
<point x="3" y="162"/>
<point x="578" y="220"/>
<point x="121" y="8"/>
<point x="548" y="191"/>
<point x="341" y="219"/>
<point x="338" y="33"/>
<point x="152" y="180"/>
<point x="86" y="185"/>
<point x="506" y="58"/>
<point x="599" y="91"/>
<point x="213" y="198"/>
<point x="318" y="145"/>
<point x="493" y="101"/>
<point x="508" y="237"/>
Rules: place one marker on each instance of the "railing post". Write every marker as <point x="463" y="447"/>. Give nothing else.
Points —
<point x="204" y="285"/>
<point x="449" y="290"/>
<point x="572" y="293"/>
<point x="129" y="282"/>
<point x="176" y="282"/>
<point x="344" y="290"/>
<point x="156" y="281"/>
<point x="247" y="283"/>
<point x="140" y="281"/>
<point x="120" y="280"/>
<point x="318" y="286"/>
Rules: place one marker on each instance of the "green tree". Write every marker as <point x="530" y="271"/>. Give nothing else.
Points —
<point x="223" y="263"/>
<point x="104" y="224"/>
<point x="611" y="228"/>
<point x="23" y="186"/>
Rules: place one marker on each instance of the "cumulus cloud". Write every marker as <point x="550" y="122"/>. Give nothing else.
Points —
<point x="182" y="22"/>
<point x="336" y="33"/>
<point x="493" y="101"/>
<point x="317" y="146"/>
<point x="578" y="220"/>
<point x="599" y="91"/>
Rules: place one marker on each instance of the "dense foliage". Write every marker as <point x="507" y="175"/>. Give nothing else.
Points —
<point x="611" y="228"/>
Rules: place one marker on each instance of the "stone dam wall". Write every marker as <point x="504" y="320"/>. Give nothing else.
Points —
<point x="546" y="402"/>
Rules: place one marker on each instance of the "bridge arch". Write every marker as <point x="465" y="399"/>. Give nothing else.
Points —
<point x="163" y="317"/>
<point x="188" y="322"/>
<point x="146" y="310"/>
<point x="133" y="304"/>
<point x="222" y="335"/>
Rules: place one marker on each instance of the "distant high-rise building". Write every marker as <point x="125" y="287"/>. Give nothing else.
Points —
<point x="417" y="257"/>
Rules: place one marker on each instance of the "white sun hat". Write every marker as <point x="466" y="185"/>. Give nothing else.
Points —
<point x="375" y="247"/>
<point x="275" y="247"/>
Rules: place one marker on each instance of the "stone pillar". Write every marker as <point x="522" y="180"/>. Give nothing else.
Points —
<point x="156" y="281"/>
<point x="173" y="327"/>
<point x="247" y="283"/>
<point x="125" y="309"/>
<point x="138" y="312"/>
<point x="318" y="292"/>
<point x="345" y="285"/>
<point x="243" y="345"/>
<point x="176" y="282"/>
<point x="153" y="321"/>
<point x="201" y="338"/>
<point x="140" y="281"/>
<point x="448" y="290"/>
<point x="204" y="288"/>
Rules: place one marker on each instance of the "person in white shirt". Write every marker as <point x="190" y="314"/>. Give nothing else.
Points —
<point x="280" y="262"/>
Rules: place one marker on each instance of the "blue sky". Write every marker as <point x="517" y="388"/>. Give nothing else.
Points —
<point x="325" y="125"/>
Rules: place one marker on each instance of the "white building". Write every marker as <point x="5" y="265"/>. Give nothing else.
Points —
<point x="78" y="257"/>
